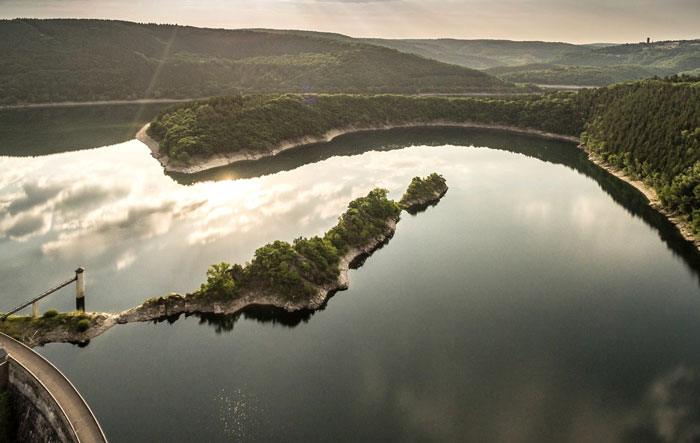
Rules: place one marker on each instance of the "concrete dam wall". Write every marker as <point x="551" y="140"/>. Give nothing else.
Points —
<point x="43" y="405"/>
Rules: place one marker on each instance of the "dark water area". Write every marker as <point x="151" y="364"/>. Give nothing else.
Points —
<point x="541" y="300"/>
<point x="385" y="140"/>
<point x="42" y="131"/>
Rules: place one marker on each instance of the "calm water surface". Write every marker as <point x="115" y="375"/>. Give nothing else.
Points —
<point x="539" y="301"/>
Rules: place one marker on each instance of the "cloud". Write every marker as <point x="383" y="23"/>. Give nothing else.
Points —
<point x="353" y="1"/>
<point x="26" y="226"/>
<point x="676" y="406"/>
<point x="34" y="195"/>
<point x="672" y="409"/>
<point x="550" y="20"/>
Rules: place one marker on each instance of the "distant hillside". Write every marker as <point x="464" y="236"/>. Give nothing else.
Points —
<point x="59" y="60"/>
<point x="679" y="56"/>
<point x="550" y="74"/>
<point x="546" y="62"/>
<point x="483" y="54"/>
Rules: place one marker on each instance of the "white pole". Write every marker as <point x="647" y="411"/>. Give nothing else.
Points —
<point x="80" y="289"/>
<point x="35" y="309"/>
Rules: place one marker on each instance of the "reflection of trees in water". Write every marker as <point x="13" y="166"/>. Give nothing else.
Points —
<point x="547" y="150"/>
<point x="42" y="131"/>
<point x="417" y="209"/>
<point x="262" y="314"/>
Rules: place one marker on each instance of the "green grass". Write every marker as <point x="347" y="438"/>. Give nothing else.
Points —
<point x="22" y="327"/>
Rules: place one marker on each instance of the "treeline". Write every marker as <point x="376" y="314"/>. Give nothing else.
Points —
<point x="651" y="130"/>
<point x="483" y="54"/>
<point x="85" y="60"/>
<point x="260" y="122"/>
<point x="559" y="63"/>
<point x="298" y="269"/>
<point x="549" y="74"/>
<point x="678" y="55"/>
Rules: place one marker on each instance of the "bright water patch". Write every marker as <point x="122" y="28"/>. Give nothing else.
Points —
<point x="540" y="300"/>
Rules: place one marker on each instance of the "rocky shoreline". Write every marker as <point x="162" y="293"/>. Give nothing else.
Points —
<point x="176" y="304"/>
<point x="218" y="160"/>
<point x="649" y="192"/>
<point x="173" y="305"/>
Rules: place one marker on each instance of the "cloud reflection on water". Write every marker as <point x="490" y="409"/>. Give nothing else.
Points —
<point x="112" y="206"/>
<point x="113" y="210"/>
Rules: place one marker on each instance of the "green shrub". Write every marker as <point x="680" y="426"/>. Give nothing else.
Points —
<point x="50" y="313"/>
<point x="424" y="188"/>
<point x="261" y="122"/>
<point x="83" y="325"/>
<point x="294" y="270"/>
<point x="219" y="281"/>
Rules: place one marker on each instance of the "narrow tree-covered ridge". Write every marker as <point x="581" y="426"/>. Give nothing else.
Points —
<point x="297" y="276"/>
<point x="648" y="129"/>
<point x="651" y="131"/>
<point x="253" y="126"/>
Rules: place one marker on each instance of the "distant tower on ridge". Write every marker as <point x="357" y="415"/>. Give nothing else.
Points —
<point x="648" y="40"/>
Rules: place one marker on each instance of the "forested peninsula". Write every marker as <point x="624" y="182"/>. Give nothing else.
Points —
<point x="297" y="276"/>
<point x="193" y="136"/>
<point x="647" y="131"/>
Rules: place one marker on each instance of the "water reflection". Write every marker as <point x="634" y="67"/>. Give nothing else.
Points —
<point x="382" y="141"/>
<point x="239" y="415"/>
<point x="550" y="151"/>
<point x="671" y="411"/>
<point x="114" y="212"/>
<point x="112" y="208"/>
<point x="527" y="306"/>
<point x="261" y="314"/>
<point x="42" y="131"/>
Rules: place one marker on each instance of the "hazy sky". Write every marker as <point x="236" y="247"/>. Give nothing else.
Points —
<point x="576" y="21"/>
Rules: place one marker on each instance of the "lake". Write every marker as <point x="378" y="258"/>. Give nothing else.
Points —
<point x="541" y="300"/>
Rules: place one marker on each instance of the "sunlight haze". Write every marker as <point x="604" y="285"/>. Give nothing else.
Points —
<point x="549" y="20"/>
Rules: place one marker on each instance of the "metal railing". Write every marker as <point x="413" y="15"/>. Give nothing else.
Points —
<point x="79" y="294"/>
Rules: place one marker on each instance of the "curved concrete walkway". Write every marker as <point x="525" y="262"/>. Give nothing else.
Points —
<point x="78" y="412"/>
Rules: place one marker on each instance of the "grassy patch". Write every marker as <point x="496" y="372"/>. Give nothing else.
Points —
<point x="23" y="327"/>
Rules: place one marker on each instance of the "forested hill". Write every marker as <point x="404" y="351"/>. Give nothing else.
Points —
<point x="81" y="60"/>
<point x="676" y="56"/>
<point x="483" y="54"/>
<point x="682" y="55"/>
<point x="550" y="74"/>
<point x="253" y="125"/>
<point x="559" y="63"/>
<point x="651" y="129"/>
